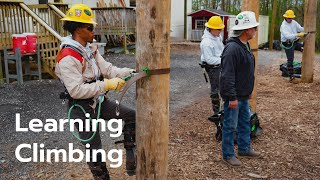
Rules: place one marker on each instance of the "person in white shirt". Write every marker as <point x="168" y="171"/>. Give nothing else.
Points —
<point x="291" y="31"/>
<point x="211" y="49"/>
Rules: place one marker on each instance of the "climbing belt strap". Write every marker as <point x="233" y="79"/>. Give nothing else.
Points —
<point x="144" y="73"/>
<point x="308" y="35"/>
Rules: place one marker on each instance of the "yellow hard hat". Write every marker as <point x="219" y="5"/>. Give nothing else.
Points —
<point x="215" y="22"/>
<point x="289" y="14"/>
<point x="80" y="13"/>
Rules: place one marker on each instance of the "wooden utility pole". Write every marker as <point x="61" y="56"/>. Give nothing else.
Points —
<point x="273" y="19"/>
<point x="185" y="20"/>
<point x="253" y="5"/>
<point x="152" y="116"/>
<point x="310" y="19"/>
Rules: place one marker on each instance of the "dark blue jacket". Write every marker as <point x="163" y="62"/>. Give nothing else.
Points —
<point x="237" y="71"/>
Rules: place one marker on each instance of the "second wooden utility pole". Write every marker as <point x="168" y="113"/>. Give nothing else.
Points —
<point x="253" y="5"/>
<point x="152" y="117"/>
<point x="273" y="19"/>
<point x="310" y="19"/>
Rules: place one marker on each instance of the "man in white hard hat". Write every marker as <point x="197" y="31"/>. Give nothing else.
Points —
<point x="211" y="49"/>
<point x="236" y="86"/>
<point x="291" y="31"/>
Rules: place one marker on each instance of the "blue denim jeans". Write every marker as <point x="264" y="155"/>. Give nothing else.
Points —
<point x="236" y="121"/>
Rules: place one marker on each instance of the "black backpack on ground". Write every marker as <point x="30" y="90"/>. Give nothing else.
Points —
<point x="217" y="119"/>
<point x="296" y="69"/>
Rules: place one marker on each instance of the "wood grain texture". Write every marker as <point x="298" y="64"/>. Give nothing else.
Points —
<point x="152" y="117"/>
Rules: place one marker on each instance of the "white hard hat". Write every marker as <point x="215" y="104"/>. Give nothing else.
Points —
<point x="245" y="20"/>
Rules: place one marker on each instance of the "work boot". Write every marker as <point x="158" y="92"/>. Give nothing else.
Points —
<point x="130" y="146"/>
<point x="130" y="162"/>
<point x="214" y="118"/>
<point x="99" y="170"/>
<point x="104" y="176"/>
<point x="250" y="154"/>
<point x="217" y="119"/>
<point x="233" y="161"/>
<point x="291" y="72"/>
<point x="215" y="100"/>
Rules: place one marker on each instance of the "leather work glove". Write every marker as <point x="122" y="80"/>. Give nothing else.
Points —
<point x="114" y="84"/>
<point x="301" y="34"/>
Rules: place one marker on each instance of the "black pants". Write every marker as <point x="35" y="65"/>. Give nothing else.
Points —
<point x="290" y="52"/>
<point x="108" y="111"/>
<point x="213" y="73"/>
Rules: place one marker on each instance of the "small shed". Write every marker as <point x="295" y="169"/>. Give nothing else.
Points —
<point x="200" y="17"/>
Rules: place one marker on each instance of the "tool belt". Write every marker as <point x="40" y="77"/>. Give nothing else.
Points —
<point x="66" y="96"/>
<point x="206" y="65"/>
<point x="289" y="43"/>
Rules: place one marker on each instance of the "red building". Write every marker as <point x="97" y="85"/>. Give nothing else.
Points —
<point x="200" y="17"/>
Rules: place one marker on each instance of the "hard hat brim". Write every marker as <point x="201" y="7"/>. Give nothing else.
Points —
<point x="291" y="17"/>
<point x="236" y="28"/>
<point x="78" y="20"/>
<point x="221" y="26"/>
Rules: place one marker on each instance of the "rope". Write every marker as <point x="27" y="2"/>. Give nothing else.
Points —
<point x="284" y="47"/>
<point x="131" y="78"/>
<point x="98" y="115"/>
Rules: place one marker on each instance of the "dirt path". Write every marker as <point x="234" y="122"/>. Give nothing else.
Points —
<point x="289" y="115"/>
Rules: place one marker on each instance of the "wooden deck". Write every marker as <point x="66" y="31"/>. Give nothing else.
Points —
<point x="115" y="25"/>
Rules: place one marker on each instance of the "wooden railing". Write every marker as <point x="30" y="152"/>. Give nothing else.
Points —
<point x="114" y="23"/>
<point x="18" y="18"/>
<point x="51" y="13"/>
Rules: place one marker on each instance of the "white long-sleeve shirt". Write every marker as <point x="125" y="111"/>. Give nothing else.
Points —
<point x="211" y="48"/>
<point x="289" y="30"/>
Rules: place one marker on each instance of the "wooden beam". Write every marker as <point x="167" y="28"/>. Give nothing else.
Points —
<point x="40" y="21"/>
<point x="57" y="10"/>
<point x="253" y="5"/>
<point x="152" y="117"/>
<point x="310" y="19"/>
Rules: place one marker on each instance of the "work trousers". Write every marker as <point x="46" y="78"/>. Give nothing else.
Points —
<point x="213" y="73"/>
<point x="290" y="52"/>
<point x="108" y="111"/>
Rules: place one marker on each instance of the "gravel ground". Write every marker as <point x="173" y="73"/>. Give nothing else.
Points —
<point x="39" y="99"/>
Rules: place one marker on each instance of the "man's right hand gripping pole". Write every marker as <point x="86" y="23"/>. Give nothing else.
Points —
<point x="114" y="84"/>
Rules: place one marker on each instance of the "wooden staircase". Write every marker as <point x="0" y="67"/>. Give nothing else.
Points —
<point x="116" y="25"/>
<point x="18" y="18"/>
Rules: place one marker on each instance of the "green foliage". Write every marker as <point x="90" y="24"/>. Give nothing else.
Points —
<point x="230" y="6"/>
<point x="234" y="7"/>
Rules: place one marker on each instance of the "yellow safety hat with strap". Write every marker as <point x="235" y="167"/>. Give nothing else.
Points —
<point x="215" y="22"/>
<point x="80" y="13"/>
<point x="289" y="14"/>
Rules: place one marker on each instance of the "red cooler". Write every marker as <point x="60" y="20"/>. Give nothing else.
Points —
<point x="31" y="42"/>
<point x="19" y="41"/>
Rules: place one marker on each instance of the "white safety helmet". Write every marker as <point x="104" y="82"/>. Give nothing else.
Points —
<point x="245" y="20"/>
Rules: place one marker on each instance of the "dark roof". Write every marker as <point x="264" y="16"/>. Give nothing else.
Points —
<point x="213" y="11"/>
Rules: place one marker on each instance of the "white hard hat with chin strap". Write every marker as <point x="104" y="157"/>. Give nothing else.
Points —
<point x="245" y="20"/>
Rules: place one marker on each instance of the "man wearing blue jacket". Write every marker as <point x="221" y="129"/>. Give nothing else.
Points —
<point x="236" y="86"/>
